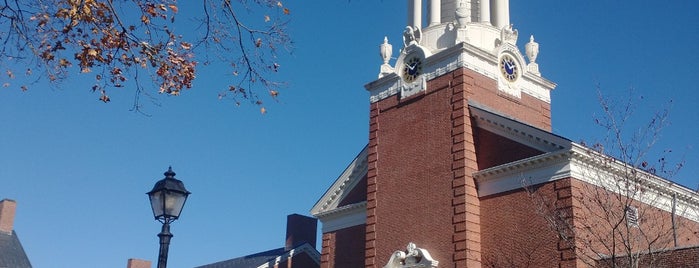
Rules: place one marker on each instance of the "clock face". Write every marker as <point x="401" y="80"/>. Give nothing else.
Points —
<point x="509" y="68"/>
<point x="412" y="68"/>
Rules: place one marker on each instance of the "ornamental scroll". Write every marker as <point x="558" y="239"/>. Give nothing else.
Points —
<point x="414" y="257"/>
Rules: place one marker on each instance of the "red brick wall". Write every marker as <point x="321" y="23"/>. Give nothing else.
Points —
<point x="343" y="248"/>
<point x="421" y="157"/>
<point x="526" y="109"/>
<point x="493" y="150"/>
<point x="596" y="209"/>
<point x="7" y="215"/>
<point x="680" y="258"/>
<point x="356" y="195"/>
<point x="515" y="235"/>
<point x="136" y="263"/>
<point x="413" y="197"/>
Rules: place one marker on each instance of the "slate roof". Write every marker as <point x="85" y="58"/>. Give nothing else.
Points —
<point x="266" y="257"/>
<point x="12" y="254"/>
<point x="249" y="261"/>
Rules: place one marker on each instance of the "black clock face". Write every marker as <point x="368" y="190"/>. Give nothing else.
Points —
<point x="509" y="68"/>
<point x="412" y="68"/>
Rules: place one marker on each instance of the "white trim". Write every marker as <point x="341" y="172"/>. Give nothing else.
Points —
<point x="312" y="252"/>
<point x="517" y="131"/>
<point x="462" y="55"/>
<point x="343" y="217"/>
<point x="343" y="184"/>
<point x="513" y="176"/>
<point x="584" y="164"/>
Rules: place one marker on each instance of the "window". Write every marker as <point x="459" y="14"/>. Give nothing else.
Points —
<point x="632" y="216"/>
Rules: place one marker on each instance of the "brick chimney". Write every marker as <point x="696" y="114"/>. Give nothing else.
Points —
<point x="300" y="229"/>
<point x="7" y="215"/>
<point x="136" y="263"/>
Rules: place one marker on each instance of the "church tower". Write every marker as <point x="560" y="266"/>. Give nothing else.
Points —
<point x="413" y="184"/>
<point x="461" y="169"/>
<point x="421" y="150"/>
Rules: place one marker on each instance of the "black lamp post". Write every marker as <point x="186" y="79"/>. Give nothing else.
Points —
<point x="167" y="200"/>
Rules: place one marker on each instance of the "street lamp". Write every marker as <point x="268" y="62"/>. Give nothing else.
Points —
<point x="167" y="199"/>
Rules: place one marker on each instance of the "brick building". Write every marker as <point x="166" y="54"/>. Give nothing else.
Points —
<point x="462" y="170"/>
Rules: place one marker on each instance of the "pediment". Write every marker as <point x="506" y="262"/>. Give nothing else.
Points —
<point x="342" y="187"/>
<point x="512" y="129"/>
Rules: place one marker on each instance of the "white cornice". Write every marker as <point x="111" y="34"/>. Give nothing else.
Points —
<point x="586" y="165"/>
<point x="342" y="185"/>
<point x="343" y="217"/>
<point x="462" y="55"/>
<point x="514" y="130"/>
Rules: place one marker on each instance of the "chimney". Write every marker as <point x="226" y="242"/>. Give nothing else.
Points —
<point x="7" y="215"/>
<point x="136" y="263"/>
<point x="300" y="229"/>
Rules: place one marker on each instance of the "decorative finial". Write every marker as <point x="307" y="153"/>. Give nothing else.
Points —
<point x="169" y="173"/>
<point x="385" y="51"/>
<point x="532" y="51"/>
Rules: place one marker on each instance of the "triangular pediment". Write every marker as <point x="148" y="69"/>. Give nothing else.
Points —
<point x="539" y="139"/>
<point x="332" y="200"/>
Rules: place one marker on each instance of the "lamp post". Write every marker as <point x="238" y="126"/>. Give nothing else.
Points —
<point x="167" y="200"/>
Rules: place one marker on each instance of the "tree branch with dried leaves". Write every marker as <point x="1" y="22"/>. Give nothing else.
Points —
<point x="115" y="41"/>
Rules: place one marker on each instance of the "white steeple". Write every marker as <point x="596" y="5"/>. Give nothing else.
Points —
<point x="483" y="18"/>
<point x="442" y="11"/>
<point x="473" y="34"/>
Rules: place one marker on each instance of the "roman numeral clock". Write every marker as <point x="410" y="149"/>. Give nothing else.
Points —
<point x="509" y="68"/>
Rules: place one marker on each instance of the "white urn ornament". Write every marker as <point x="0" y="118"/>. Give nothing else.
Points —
<point x="532" y="49"/>
<point x="463" y="13"/>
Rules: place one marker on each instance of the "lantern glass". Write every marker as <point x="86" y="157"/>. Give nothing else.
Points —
<point x="168" y="197"/>
<point x="167" y="204"/>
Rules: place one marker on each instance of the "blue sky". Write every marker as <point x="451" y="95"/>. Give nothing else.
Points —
<point x="79" y="169"/>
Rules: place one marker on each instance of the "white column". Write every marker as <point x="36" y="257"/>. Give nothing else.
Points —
<point x="411" y="8"/>
<point x="500" y="13"/>
<point x="435" y="12"/>
<point x="417" y="14"/>
<point x="484" y="9"/>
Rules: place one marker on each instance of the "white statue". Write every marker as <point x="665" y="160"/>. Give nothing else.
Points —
<point x="411" y="35"/>
<point x="508" y="35"/>
<point x="463" y="13"/>
<point x="414" y="257"/>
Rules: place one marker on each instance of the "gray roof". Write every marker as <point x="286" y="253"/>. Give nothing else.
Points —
<point x="249" y="261"/>
<point x="12" y="254"/>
